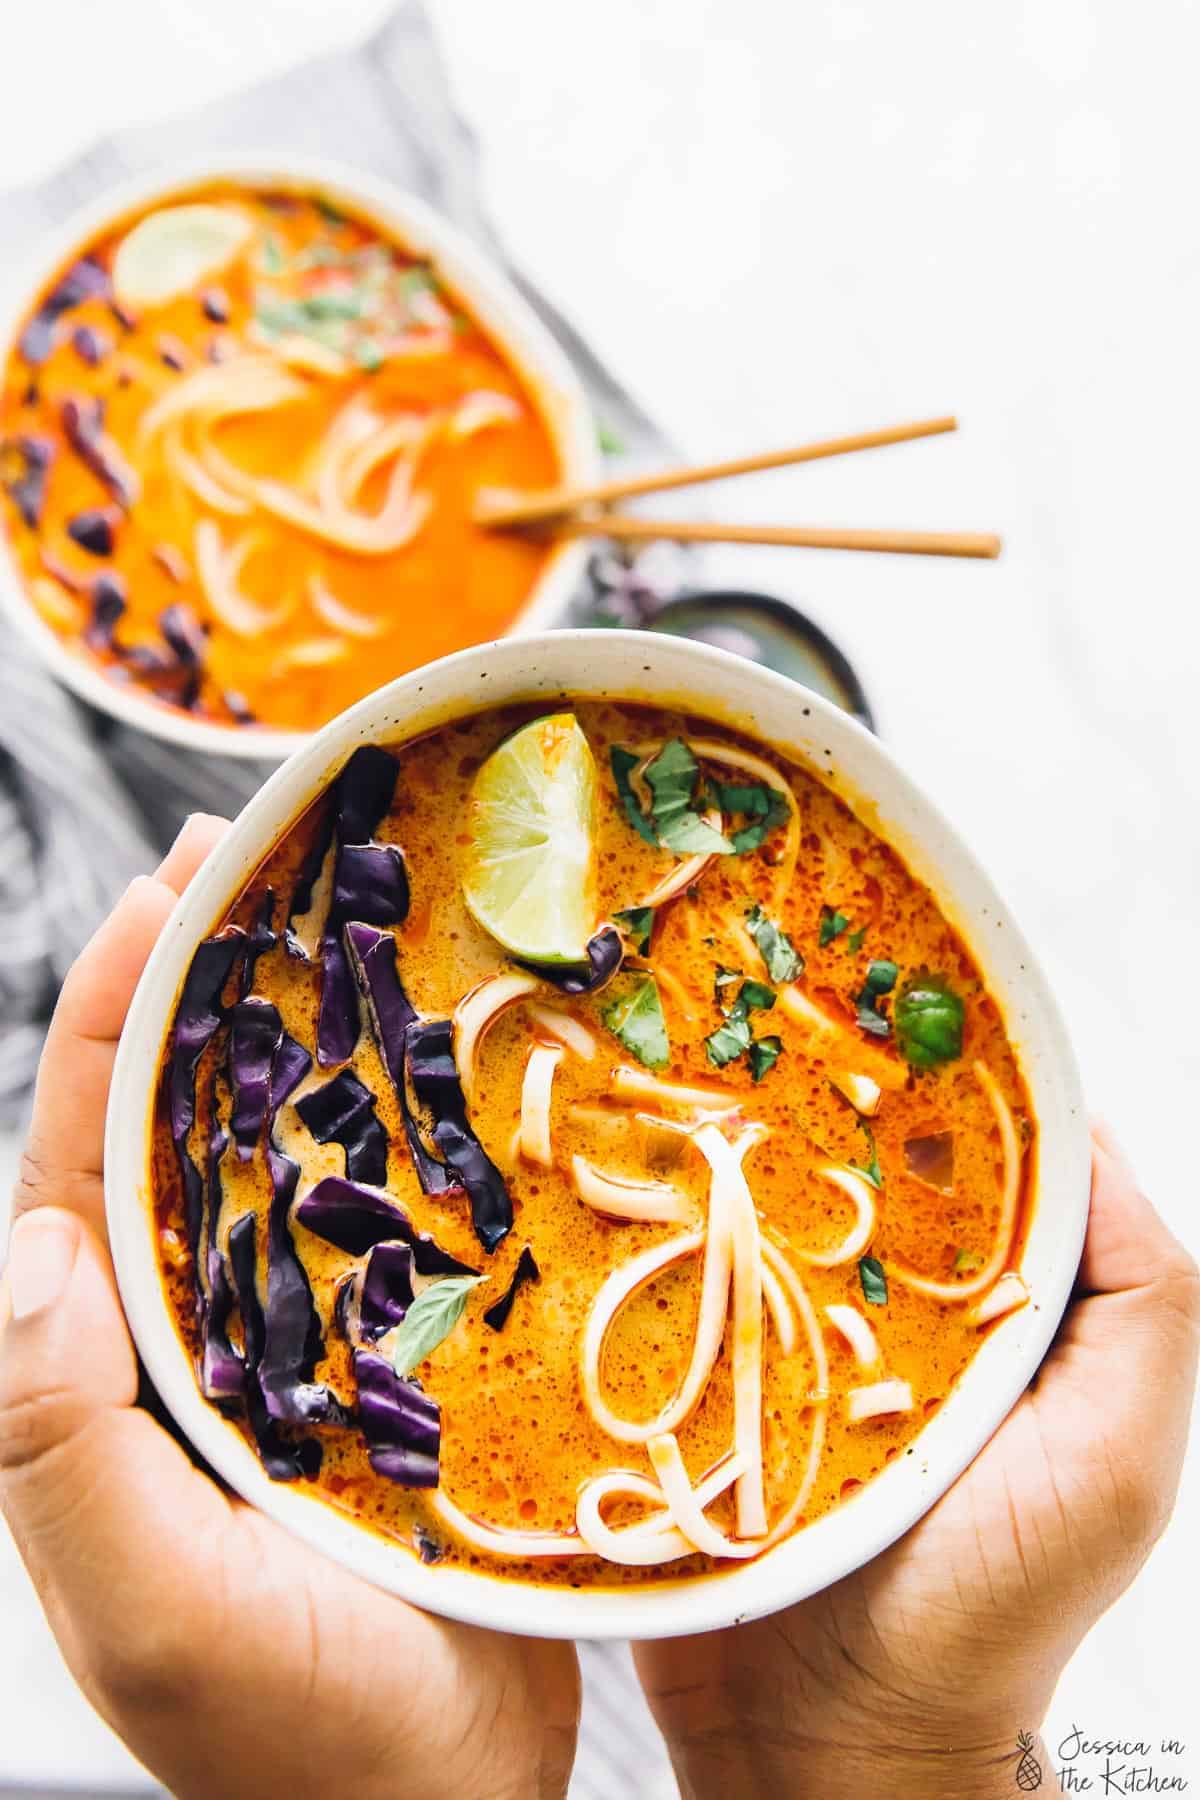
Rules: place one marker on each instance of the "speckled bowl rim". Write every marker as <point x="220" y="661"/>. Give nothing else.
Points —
<point x="672" y="671"/>
<point x="508" y="318"/>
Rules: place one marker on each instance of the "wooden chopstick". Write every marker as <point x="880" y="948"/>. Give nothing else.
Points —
<point x="703" y="531"/>
<point x="502" y="509"/>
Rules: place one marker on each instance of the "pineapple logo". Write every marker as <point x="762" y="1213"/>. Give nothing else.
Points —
<point x="1029" y="1770"/>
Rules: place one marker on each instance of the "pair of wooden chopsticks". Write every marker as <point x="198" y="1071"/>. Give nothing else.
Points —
<point x="564" y="511"/>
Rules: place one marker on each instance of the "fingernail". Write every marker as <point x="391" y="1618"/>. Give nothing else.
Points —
<point x="41" y="1254"/>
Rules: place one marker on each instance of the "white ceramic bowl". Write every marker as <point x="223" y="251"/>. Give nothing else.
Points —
<point x="671" y="671"/>
<point x="508" y="319"/>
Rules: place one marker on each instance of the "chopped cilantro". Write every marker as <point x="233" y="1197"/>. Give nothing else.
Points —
<point x="368" y="355"/>
<point x="637" y="922"/>
<point x="271" y="256"/>
<point x="636" y="1019"/>
<point x="784" y="962"/>
<point x="623" y="763"/>
<point x="764" y="1054"/>
<point x="734" y="1037"/>
<point x="874" y="1281"/>
<point x="880" y="980"/>
<point x="609" y="441"/>
<point x="832" y="925"/>
<point x="929" y="1021"/>
<point x="967" y="1260"/>
<point x="854" y="942"/>
<point x="870" y="1171"/>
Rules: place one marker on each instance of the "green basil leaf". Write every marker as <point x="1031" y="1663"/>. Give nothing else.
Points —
<point x="764" y="1054"/>
<point x="880" y="979"/>
<point x="832" y="925"/>
<point x="929" y="1021"/>
<point x="874" y="1281"/>
<point x="623" y="762"/>
<point x="854" y="942"/>
<point x="756" y="995"/>
<point x="784" y="962"/>
<point x="671" y="778"/>
<point x="637" y="922"/>
<point x="728" y="1041"/>
<point x="431" y="1317"/>
<point x="636" y="1019"/>
<point x="967" y="1259"/>
<point x="871" y="1170"/>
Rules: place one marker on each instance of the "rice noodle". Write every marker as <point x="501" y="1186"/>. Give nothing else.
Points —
<point x="339" y="617"/>
<point x="781" y="1313"/>
<point x="192" y="473"/>
<point x="670" y="983"/>
<point x="639" y="1084"/>
<point x="1010" y="1191"/>
<point x="651" y="1202"/>
<point x="797" y="1293"/>
<point x="648" y="1541"/>
<point x="477" y="1011"/>
<point x="859" y="1190"/>
<point x="625" y="1281"/>
<point x="479" y="411"/>
<point x="565" y="1028"/>
<point x="849" y="1322"/>
<point x="726" y="1160"/>
<point x="218" y="568"/>
<point x="863" y="1094"/>
<point x="800" y="1498"/>
<point x="244" y="384"/>
<point x="312" y="653"/>
<point x="880" y="1398"/>
<point x="796" y="1005"/>
<point x="685" y="1505"/>
<point x="498" y="1540"/>
<point x="1008" y="1294"/>
<point x="407" y="432"/>
<point x="681" y="877"/>
<point x="395" y="524"/>
<point x="533" y="1137"/>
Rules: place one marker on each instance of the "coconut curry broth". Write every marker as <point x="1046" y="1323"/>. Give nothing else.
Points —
<point x="518" y="1439"/>
<point x="327" y="333"/>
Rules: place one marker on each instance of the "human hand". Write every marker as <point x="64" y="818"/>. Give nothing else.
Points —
<point x="230" y="1657"/>
<point x="914" y="1675"/>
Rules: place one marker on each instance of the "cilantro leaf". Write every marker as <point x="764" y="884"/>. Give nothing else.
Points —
<point x="832" y="925"/>
<point x="729" y="1041"/>
<point x="870" y="1171"/>
<point x="764" y="1054"/>
<point x="873" y="1276"/>
<point x="623" y="763"/>
<point x="671" y="778"/>
<point x="636" y="1019"/>
<point x="784" y="962"/>
<point x="880" y="980"/>
<point x="929" y="1021"/>
<point x="270" y="255"/>
<point x="637" y="922"/>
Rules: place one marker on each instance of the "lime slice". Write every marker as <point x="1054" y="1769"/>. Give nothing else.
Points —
<point x="168" y="252"/>
<point x="528" y="872"/>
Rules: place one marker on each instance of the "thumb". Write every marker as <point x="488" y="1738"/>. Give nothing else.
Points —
<point x="93" y="1491"/>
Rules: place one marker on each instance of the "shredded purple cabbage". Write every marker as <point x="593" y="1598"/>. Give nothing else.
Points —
<point x="604" y="953"/>
<point x="222" y="1366"/>
<point x="376" y="1297"/>
<point x="369" y="886"/>
<point x="526" y="1270"/>
<point x="83" y="424"/>
<point x="281" y="1460"/>
<point x="26" y="487"/>
<point x="184" y="633"/>
<point x="255" y="1034"/>
<point x="356" y="1218"/>
<point x="108" y="604"/>
<point x="197" y="1018"/>
<point x="343" y="1112"/>
<point x="260" y="939"/>
<point x="429" y="1059"/>
<point x="402" y="1425"/>
<point x="92" y="530"/>
<point x="83" y="280"/>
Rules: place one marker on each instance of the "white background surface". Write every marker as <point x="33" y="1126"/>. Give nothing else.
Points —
<point x="783" y="221"/>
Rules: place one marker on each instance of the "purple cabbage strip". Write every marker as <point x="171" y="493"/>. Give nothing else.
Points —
<point x="108" y="604"/>
<point x="604" y="953"/>
<point x="197" y="1018"/>
<point x="91" y="346"/>
<point x="92" y="530"/>
<point x="282" y="1461"/>
<point x="402" y="1425"/>
<point x="292" y="1342"/>
<point x="83" y="423"/>
<point x="260" y="939"/>
<point x="376" y="1297"/>
<point x="363" y="792"/>
<point x="306" y="880"/>
<point x="526" y="1270"/>
<point x="356" y="1218"/>
<point x="369" y="885"/>
<point x="373" y="957"/>
<point x="81" y="282"/>
<point x="222" y="1367"/>
<point x="343" y="1112"/>
<point x="27" y="491"/>
<point x="184" y="633"/>
<point x="430" y="1064"/>
<point x="255" y="1035"/>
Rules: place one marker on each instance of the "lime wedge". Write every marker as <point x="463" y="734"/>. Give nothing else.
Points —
<point x="168" y="252"/>
<point x="528" y="871"/>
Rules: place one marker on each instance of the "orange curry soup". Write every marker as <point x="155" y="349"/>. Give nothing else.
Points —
<point x="610" y="1274"/>
<point x="241" y="439"/>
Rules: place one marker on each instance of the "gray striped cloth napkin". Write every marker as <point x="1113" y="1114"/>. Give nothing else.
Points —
<point x="85" y="805"/>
